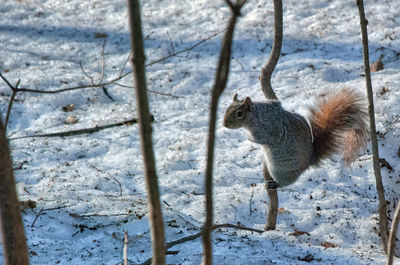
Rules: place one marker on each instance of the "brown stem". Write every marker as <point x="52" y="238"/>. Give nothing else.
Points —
<point x="138" y="59"/>
<point x="383" y="224"/>
<point x="273" y="202"/>
<point x="268" y="69"/>
<point x="12" y="229"/>
<point x="392" y="236"/>
<point x="221" y="78"/>
<point x="14" y="93"/>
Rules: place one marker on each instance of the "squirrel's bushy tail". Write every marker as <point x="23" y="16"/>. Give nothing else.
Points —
<point x="339" y="125"/>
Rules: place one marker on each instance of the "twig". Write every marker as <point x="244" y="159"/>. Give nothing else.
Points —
<point x="102" y="61"/>
<point x="251" y="202"/>
<point x="126" y="248"/>
<point x="37" y="216"/>
<point x="120" y="76"/>
<point x="86" y="74"/>
<point x="130" y="54"/>
<point x="14" y="92"/>
<point x="171" y="43"/>
<point x="125" y="62"/>
<point x="393" y="235"/>
<point x="151" y="91"/>
<point x="199" y="234"/>
<point x="391" y="125"/>
<point x="383" y="223"/>
<point x="107" y="94"/>
<point x="239" y="227"/>
<point x="81" y="131"/>
<point x="115" y="179"/>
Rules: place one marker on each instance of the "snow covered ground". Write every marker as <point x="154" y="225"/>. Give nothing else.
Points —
<point x="89" y="188"/>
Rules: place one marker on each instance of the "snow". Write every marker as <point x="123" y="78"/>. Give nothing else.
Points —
<point x="90" y="189"/>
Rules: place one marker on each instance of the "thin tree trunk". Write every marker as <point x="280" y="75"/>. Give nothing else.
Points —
<point x="273" y="202"/>
<point x="144" y="118"/>
<point x="265" y="80"/>
<point x="268" y="69"/>
<point x="221" y="78"/>
<point x="393" y="235"/>
<point x="383" y="223"/>
<point x="12" y="229"/>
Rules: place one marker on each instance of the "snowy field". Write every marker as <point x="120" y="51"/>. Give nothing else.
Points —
<point x="89" y="189"/>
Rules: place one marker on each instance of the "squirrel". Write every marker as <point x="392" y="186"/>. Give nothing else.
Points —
<point x="292" y="143"/>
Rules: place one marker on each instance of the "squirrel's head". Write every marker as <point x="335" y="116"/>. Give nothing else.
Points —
<point x="237" y="113"/>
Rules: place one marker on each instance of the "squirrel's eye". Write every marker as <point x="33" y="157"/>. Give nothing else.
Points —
<point x="239" y="113"/>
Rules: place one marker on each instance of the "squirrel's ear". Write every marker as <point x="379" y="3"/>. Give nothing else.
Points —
<point x="235" y="97"/>
<point x="247" y="103"/>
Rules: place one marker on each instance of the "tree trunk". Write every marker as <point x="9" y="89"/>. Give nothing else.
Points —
<point x="144" y="118"/>
<point x="12" y="229"/>
<point x="273" y="202"/>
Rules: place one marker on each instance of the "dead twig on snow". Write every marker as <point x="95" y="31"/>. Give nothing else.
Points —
<point x="82" y="131"/>
<point x="199" y="234"/>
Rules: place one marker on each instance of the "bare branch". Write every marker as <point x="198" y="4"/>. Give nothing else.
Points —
<point x="14" y="92"/>
<point x="171" y="44"/>
<point x="138" y="64"/>
<point x="199" y="234"/>
<point x="125" y="63"/>
<point x="268" y="69"/>
<point x="221" y="78"/>
<point x="383" y="223"/>
<point x="273" y="202"/>
<point x="151" y="91"/>
<point x="102" y="61"/>
<point x="86" y="74"/>
<point x="393" y="235"/>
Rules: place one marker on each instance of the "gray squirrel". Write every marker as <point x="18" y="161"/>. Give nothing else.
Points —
<point x="291" y="144"/>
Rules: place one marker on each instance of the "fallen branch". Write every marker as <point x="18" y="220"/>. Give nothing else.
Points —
<point x="81" y="131"/>
<point x="199" y="234"/>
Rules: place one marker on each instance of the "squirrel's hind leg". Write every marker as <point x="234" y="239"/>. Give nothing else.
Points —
<point x="270" y="183"/>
